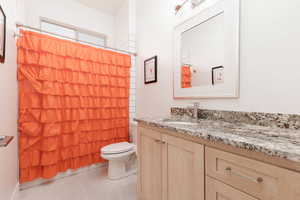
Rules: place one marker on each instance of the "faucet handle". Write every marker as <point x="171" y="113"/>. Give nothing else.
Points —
<point x="193" y="105"/>
<point x="196" y="104"/>
<point x="195" y="108"/>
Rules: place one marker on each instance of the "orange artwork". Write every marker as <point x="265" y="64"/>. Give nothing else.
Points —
<point x="73" y="100"/>
<point x="186" y="76"/>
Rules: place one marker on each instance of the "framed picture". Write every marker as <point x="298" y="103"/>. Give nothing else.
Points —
<point x="217" y="75"/>
<point x="150" y="70"/>
<point x="2" y="35"/>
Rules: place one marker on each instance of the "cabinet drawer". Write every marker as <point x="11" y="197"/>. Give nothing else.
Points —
<point x="149" y="133"/>
<point x="216" y="190"/>
<point x="255" y="178"/>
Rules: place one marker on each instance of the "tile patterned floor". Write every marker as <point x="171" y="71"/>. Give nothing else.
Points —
<point x="90" y="185"/>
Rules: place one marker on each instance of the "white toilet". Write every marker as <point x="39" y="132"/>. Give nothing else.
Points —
<point x="118" y="155"/>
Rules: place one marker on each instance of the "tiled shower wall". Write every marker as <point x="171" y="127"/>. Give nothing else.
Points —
<point x="125" y="39"/>
<point x="132" y="99"/>
<point x="130" y="45"/>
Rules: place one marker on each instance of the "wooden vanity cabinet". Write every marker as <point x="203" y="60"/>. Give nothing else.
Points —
<point x="174" y="168"/>
<point x="170" y="168"/>
<point x="150" y="165"/>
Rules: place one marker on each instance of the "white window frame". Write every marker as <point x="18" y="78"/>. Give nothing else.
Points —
<point x="76" y="29"/>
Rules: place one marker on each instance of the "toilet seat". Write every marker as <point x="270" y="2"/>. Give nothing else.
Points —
<point x="117" y="148"/>
<point x="117" y="155"/>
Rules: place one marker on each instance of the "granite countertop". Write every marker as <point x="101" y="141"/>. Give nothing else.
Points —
<point x="273" y="141"/>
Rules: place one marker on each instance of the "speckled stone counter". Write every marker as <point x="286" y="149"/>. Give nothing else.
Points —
<point x="289" y="121"/>
<point x="270" y="140"/>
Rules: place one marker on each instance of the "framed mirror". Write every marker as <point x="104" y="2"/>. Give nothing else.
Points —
<point x="206" y="53"/>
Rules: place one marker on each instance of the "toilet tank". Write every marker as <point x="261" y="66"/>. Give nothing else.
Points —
<point x="133" y="132"/>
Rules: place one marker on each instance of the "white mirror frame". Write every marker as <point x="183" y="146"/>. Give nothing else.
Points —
<point x="231" y="11"/>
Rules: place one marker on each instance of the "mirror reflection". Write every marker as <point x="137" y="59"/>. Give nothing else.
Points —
<point x="202" y="54"/>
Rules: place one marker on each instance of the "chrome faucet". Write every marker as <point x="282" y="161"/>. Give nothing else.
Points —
<point x="195" y="110"/>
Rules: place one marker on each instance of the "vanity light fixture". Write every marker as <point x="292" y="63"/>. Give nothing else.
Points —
<point x="196" y="3"/>
<point x="179" y="6"/>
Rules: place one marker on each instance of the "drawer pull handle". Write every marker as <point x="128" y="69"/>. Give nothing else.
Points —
<point x="159" y="141"/>
<point x="257" y="180"/>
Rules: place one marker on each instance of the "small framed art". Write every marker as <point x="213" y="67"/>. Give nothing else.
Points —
<point x="2" y="35"/>
<point x="150" y="70"/>
<point x="217" y="75"/>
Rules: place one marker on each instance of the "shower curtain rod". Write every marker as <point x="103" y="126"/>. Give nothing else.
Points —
<point x="66" y="37"/>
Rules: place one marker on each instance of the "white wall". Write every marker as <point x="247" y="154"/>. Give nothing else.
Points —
<point x="8" y="106"/>
<point x="70" y="12"/>
<point x="270" y="46"/>
<point x="122" y="26"/>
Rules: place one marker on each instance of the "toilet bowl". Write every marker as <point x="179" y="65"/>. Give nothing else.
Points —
<point x="117" y="155"/>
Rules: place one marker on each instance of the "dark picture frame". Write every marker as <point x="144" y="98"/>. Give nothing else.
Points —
<point x="2" y="35"/>
<point x="212" y="73"/>
<point x="150" y="70"/>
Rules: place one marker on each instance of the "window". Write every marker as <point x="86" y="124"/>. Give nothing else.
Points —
<point x="91" y="38"/>
<point x="78" y="34"/>
<point x="60" y="30"/>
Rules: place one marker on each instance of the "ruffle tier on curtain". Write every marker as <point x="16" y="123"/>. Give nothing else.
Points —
<point x="73" y="100"/>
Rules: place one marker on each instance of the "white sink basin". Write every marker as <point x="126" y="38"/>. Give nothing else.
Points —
<point x="181" y="123"/>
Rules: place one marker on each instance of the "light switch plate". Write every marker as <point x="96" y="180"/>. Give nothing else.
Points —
<point x="220" y="76"/>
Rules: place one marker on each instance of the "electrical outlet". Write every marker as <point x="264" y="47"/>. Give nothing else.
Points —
<point x="196" y="3"/>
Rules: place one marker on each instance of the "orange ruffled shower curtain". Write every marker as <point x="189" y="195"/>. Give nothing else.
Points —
<point x="73" y="100"/>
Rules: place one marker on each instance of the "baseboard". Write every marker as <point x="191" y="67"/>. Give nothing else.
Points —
<point x="15" y="192"/>
<point x="61" y="176"/>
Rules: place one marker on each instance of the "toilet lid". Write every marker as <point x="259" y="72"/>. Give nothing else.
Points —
<point x="117" y="148"/>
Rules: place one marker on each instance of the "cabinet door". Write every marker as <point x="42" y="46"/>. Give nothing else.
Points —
<point x="295" y="187"/>
<point x="183" y="169"/>
<point x="290" y="188"/>
<point x="150" y="165"/>
<point x="216" y="190"/>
